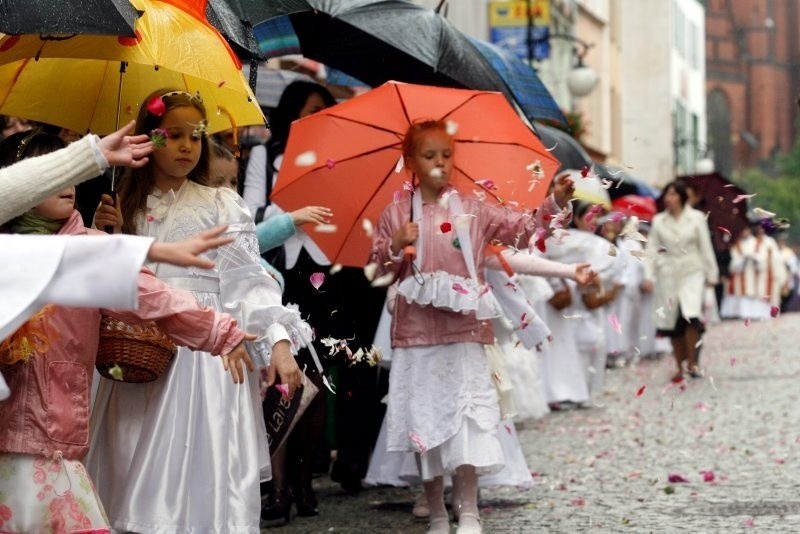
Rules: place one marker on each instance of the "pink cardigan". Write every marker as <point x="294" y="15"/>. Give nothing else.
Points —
<point x="48" y="410"/>
<point x="415" y="325"/>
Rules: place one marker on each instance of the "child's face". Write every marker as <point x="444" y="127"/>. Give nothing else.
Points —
<point x="182" y="151"/>
<point x="314" y="103"/>
<point x="57" y="207"/>
<point x="223" y="173"/>
<point x="433" y="159"/>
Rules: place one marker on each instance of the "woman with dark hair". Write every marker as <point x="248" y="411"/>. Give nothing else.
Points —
<point x="680" y="262"/>
<point x="332" y="312"/>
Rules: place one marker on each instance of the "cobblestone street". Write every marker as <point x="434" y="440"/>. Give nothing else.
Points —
<point x="727" y="442"/>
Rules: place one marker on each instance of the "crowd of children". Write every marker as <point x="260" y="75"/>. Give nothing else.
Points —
<point x="188" y="452"/>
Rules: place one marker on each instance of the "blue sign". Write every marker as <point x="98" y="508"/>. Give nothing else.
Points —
<point x="515" y="40"/>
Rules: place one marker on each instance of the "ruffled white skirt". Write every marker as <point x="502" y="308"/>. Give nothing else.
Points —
<point x="443" y="405"/>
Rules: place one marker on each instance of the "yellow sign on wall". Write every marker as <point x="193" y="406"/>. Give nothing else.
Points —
<point x="515" y="13"/>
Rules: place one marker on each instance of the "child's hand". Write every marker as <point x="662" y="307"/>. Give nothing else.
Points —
<point x="584" y="274"/>
<point x="282" y="364"/>
<point x="311" y="214"/>
<point x="187" y="253"/>
<point x="108" y="214"/>
<point x="121" y="149"/>
<point x="405" y="235"/>
<point x="233" y="360"/>
<point x="563" y="190"/>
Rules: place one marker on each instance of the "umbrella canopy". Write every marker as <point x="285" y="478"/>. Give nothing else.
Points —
<point x="623" y="183"/>
<point x="97" y="17"/>
<point x="716" y="195"/>
<point x="528" y="90"/>
<point x="238" y="31"/>
<point x="642" y="207"/>
<point x="380" y="40"/>
<point x="564" y="147"/>
<point x="590" y="189"/>
<point x="76" y="83"/>
<point x="346" y="157"/>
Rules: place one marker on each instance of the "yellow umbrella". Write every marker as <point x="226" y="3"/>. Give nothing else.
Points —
<point x="76" y="82"/>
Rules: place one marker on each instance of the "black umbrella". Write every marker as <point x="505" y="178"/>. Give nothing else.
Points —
<point x="380" y="40"/>
<point x="236" y="29"/>
<point x="97" y="17"/>
<point x="564" y="147"/>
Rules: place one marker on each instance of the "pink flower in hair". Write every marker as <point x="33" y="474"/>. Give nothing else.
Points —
<point x="156" y="106"/>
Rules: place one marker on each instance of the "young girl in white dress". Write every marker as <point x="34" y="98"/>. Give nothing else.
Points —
<point x="442" y="403"/>
<point x="186" y="452"/>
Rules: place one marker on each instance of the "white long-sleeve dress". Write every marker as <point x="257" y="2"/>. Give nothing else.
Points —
<point x="186" y="452"/>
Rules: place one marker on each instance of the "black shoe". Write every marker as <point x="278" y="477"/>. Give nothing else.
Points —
<point x="346" y="476"/>
<point x="278" y="509"/>
<point x="306" y="503"/>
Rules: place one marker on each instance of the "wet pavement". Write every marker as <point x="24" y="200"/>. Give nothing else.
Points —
<point x="718" y="455"/>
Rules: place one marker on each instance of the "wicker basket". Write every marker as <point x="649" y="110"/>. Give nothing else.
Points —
<point x="132" y="353"/>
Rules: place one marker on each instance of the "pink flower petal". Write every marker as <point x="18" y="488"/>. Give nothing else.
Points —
<point x="675" y="478"/>
<point x="774" y="311"/>
<point x="615" y="324"/>
<point x="708" y="476"/>
<point x="418" y="442"/>
<point x="317" y="279"/>
<point x="283" y="388"/>
<point x="330" y="164"/>
<point x="460" y="289"/>
<point x="640" y="391"/>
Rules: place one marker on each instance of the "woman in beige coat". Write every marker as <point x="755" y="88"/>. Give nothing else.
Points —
<point x="680" y="262"/>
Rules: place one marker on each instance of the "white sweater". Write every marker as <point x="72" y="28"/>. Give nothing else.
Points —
<point x="27" y="183"/>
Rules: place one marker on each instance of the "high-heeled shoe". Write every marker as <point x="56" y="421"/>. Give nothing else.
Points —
<point x="278" y="510"/>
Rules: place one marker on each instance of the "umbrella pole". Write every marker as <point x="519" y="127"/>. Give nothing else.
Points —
<point x="122" y="66"/>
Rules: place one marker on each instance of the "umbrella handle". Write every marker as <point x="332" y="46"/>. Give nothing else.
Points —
<point x="113" y="194"/>
<point x="410" y="252"/>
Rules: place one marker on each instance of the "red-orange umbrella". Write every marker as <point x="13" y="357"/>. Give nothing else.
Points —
<point x="642" y="207"/>
<point x="347" y="158"/>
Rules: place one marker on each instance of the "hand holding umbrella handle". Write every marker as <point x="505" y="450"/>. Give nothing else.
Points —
<point x="109" y="229"/>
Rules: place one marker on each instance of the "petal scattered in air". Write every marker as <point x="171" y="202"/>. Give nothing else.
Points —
<point x="451" y="127"/>
<point x="335" y="268"/>
<point x="774" y="311"/>
<point x="330" y="164"/>
<point x="326" y="228"/>
<point x="366" y="224"/>
<point x="708" y="476"/>
<point x="640" y="391"/>
<point x="383" y="280"/>
<point x="614" y="322"/>
<point x="370" y="270"/>
<point x="399" y="165"/>
<point x="740" y="198"/>
<point x="306" y="159"/>
<point x="317" y="280"/>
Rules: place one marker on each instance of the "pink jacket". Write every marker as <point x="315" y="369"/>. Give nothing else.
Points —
<point x="415" y="325"/>
<point x="48" y="410"/>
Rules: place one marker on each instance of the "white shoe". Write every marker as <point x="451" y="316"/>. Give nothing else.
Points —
<point x="439" y="525"/>
<point x="469" y="523"/>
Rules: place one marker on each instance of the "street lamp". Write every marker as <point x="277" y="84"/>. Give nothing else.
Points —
<point x="581" y="80"/>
